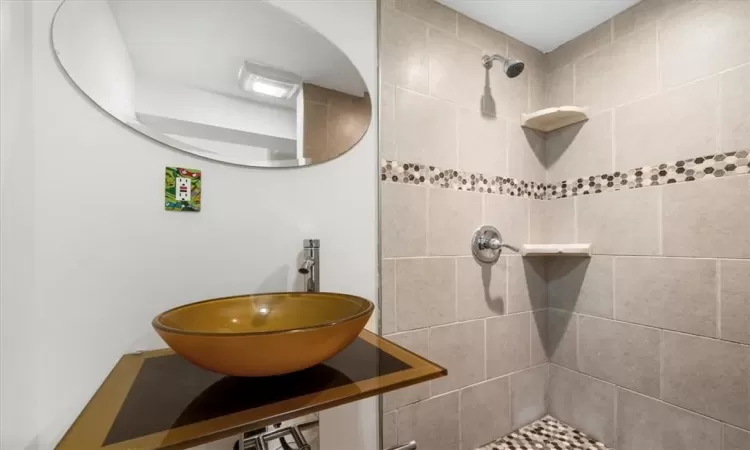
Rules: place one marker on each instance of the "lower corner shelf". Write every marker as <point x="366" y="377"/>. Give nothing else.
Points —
<point x="583" y="250"/>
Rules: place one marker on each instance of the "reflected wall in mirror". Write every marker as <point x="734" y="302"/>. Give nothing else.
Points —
<point x="237" y="81"/>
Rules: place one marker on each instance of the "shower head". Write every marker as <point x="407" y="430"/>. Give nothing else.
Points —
<point x="511" y="67"/>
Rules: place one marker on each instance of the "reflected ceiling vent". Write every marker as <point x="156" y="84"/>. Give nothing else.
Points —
<point x="267" y="81"/>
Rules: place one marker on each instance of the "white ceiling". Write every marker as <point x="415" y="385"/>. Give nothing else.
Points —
<point x="542" y="24"/>
<point x="203" y="44"/>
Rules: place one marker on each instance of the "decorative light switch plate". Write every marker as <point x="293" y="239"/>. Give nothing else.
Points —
<point x="182" y="189"/>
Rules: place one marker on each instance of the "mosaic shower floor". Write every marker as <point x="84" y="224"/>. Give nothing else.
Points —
<point x="546" y="434"/>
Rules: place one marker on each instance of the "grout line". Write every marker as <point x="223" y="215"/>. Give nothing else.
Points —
<point x="616" y="425"/>
<point x="613" y="139"/>
<point x="614" y="287"/>
<point x="718" y="298"/>
<point x="660" y="221"/>
<point x="659" y="82"/>
<point x="531" y="340"/>
<point x="577" y="318"/>
<point x="455" y="289"/>
<point x="575" y="219"/>
<point x="661" y="363"/>
<point x="395" y="297"/>
<point x="719" y="115"/>
<point x="427" y="222"/>
<point x="485" y="350"/>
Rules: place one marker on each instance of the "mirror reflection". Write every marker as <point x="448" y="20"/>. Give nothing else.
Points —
<point x="242" y="82"/>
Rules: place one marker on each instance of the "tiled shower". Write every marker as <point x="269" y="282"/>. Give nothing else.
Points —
<point x="643" y="346"/>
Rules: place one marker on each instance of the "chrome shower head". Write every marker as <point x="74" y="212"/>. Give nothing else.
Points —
<point x="511" y="67"/>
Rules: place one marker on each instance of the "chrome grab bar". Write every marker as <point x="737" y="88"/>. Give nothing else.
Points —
<point x="410" y="446"/>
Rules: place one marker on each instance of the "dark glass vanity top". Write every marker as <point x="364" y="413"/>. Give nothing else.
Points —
<point x="158" y="400"/>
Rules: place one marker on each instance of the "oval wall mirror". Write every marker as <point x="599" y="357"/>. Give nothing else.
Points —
<point x="242" y="82"/>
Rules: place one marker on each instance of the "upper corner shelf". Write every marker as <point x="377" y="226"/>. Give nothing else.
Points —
<point x="552" y="119"/>
<point x="556" y="249"/>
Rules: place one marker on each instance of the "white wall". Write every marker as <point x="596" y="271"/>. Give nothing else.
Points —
<point x="194" y="105"/>
<point x="104" y="249"/>
<point x="18" y="399"/>
<point x="95" y="55"/>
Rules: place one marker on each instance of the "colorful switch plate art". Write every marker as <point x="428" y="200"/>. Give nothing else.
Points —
<point x="182" y="189"/>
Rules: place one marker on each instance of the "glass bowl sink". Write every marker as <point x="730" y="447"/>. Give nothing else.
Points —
<point x="266" y="334"/>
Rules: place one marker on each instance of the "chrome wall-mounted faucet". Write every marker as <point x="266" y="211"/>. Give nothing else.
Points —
<point x="310" y="266"/>
<point x="487" y="243"/>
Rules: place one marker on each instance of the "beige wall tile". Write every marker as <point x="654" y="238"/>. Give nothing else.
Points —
<point x="735" y="439"/>
<point x="388" y="296"/>
<point x="678" y="124"/>
<point x="527" y="290"/>
<point x="584" y="401"/>
<point x="539" y="338"/>
<point x="621" y="353"/>
<point x="432" y="423"/>
<point x="482" y="289"/>
<point x="717" y="30"/>
<point x="388" y="149"/>
<point x="562" y="337"/>
<point x="582" y="285"/>
<point x="620" y="223"/>
<point x="735" y="109"/>
<point x="707" y="219"/>
<point x="526" y="154"/>
<point x="537" y="91"/>
<point x="735" y="301"/>
<point x="672" y="293"/>
<point x="460" y="349"/>
<point x="431" y="12"/>
<point x="528" y="391"/>
<point x="390" y="430"/>
<point x="482" y="143"/>
<point x="425" y="130"/>
<point x="508" y="344"/>
<point x="456" y="72"/>
<point x="707" y="376"/>
<point x="593" y="80"/>
<point x="404" y="220"/>
<point x="403" y="53"/>
<point x="453" y="217"/>
<point x="485" y="413"/>
<point x="481" y="36"/>
<point x="581" y="149"/>
<point x="417" y="342"/>
<point x="643" y="13"/>
<point x="646" y="423"/>
<point x="619" y="73"/>
<point x="427" y="288"/>
<point x="552" y="222"/>
<point x="634" y="61"/>
<point x="581" y="46"/>
<point x="560" y="87"/>
<point x="510" y="215"/>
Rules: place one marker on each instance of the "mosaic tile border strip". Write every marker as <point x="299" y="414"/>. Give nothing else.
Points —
<point x="421" y="174"/>
<point x="719" y="165"/>
<point x="546" y="434"/>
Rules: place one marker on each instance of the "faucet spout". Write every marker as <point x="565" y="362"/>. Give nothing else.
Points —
<point x="310" y="266"/>
<point x="306" y="266"/>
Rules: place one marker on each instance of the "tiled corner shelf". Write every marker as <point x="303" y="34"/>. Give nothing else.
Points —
<point x="551" y="119"/>
<point x="158" y="400"/>
<point x="583" y="250"/>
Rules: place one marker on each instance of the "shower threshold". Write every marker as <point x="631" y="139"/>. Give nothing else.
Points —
<point x="546" y="434"/>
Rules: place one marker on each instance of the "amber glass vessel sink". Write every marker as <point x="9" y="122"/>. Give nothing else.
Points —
<point x="264" y="335"/>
